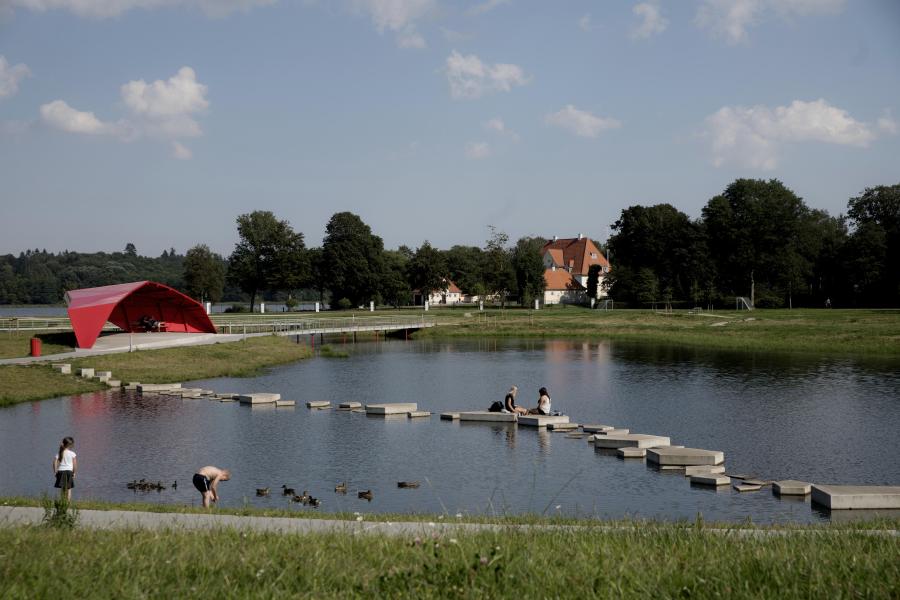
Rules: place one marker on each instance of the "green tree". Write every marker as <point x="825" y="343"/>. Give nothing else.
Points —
<point x="665" y="241"/>
<point x="528" y="266"/>
<point x="465" y="268"/>
<point x="427" y="270"/>
<point x="269" y="256"/>
<point x="318" y="272"/>
<point x="647" y="286"/>
<point x="355" y="259"/>
<point x="395" y="288"/>
<point x="593" y="281"/>
<point x="498" y="274"/>
<point x="204" y="273"/>
<point x="874" y="245"/>
<point x="755" y="237"/>
<point x="130" y="249"/>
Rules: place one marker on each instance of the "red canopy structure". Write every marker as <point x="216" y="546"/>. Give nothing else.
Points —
<point x="129" y="305"/>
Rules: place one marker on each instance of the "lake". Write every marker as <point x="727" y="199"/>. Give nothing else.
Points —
<point x="823" y="420"/>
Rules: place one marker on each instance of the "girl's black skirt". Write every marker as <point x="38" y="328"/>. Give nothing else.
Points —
<point x="64" y="480"/>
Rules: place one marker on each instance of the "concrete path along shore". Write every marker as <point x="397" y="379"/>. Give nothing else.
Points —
<point x="18" y="516"/>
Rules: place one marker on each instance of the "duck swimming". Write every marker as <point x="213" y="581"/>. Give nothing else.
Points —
<point x="366" y="494"/>
<point x="341" y="488"/>
<point x="286" y="491"/>
<point x="262" y="491"/>
<point x="407" y="484"/>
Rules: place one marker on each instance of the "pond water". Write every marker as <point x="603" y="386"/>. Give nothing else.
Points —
<point x="824" y="420"/>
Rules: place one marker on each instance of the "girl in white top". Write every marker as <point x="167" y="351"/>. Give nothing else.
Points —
<point x="65" y="464"/>
<point x="544" y="402"/>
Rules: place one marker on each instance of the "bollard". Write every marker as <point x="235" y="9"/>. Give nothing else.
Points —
<point x="35" y="346"/>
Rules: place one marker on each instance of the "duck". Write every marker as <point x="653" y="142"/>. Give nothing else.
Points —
<point x="366" y="494"/>
<point x="314" y="502"/>
<point x="341" y="488"/>
<point x="175" y="485"/>
<point x="297" y="499"/>
<point x="286" y="491"/>
<point x="262" y="491"/>
<point x="304" y="497"/>
<point x="407" y="484"/>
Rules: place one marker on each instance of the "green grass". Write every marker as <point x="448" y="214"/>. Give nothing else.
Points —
<point x="237" y="359"/>
<point x="24" y="383"/>
<point x="16" y="344"/>
<point x="844" y="332"/>
<point x="329" y="351"/>
<point x="881" y="523"/>
<point x="655" y="561"/>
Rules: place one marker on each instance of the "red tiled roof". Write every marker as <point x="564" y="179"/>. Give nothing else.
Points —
<point x="560" y="279"/>
<point x="557" y="255"/>
<point x="577" y="253"/>
<point x="452" y="288"/>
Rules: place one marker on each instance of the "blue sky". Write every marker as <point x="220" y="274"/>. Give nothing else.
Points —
<point x="157" y="122"/>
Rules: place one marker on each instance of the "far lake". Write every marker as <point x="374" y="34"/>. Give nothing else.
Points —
<point x="823" y="420"/>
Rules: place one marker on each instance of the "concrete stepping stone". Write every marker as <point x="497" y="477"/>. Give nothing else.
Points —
<point x="759" y="482"/>
<point x="541" y="421"/>
<point x="484" y="415"/>
<point x="64" y="368"/>
<point x="562" y="426"/>
<point x="685" y="456"/>
<point x="284" y="403"/>
<point x="101" y="379"/>
<point x="791" y="487"/>
<point x="416" y="414"/>
<point x="848" y="497"/>
<point x="577" y="435"/>
<point x="630" y="440"/>
<point x="86" y="373"/>
<point x="225" y="398"/>
<point x="358" y="410"/>
<point x="632" y="452"/>
<point x="594" y="428"/>
<point x="133" y="385"/>
<point x="350" y="405"/>
<point x="746" y="487"/>
<point x="619" y="431"/>
<point x="318" y="404"/>
<point x="113" y="383"/>
<point x="702" y="470"/>
<point x="710" y="479"/>
<point x="103" y="374"/>
<point x="157" y="387"/>
<point x="259" y="398"/>
<point x="391" y="408"/>
<point x="450" y="416"/>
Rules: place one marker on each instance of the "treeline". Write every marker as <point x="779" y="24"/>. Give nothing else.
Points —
<point x="759" y="240"/>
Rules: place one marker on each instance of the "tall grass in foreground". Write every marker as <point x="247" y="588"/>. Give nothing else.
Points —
<point x="656" y="562"/>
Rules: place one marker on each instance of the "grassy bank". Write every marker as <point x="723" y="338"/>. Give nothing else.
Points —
<point x="659" y="561"/>
<point x="860" y="332"/>
<point x="881" y="523"/>
<point x="15" y="344"/>
<point x="237" y="359"/>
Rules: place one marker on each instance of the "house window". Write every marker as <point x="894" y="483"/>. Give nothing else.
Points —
<point x="593" y="255"/>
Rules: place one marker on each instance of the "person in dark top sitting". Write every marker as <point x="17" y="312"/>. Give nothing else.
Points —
<point x="148" y="323"/>
<point x="509" y="403"/>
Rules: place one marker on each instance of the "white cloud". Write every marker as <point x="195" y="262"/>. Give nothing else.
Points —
<point x="486" y="6"/>
<point x="469" y="77"/>
<point x="101" y="9"/>
<point x="166" y="107"/>
<point x="399" y="16"/>
<point x="584" y="23"/>
<point x="410" y="38"/>
<point x="10" y="76"/>
<point x="581" y="122"/>
<point x="181" y="152"/>
<point x="652" y="21"/>
<point x="61" y="116"/>
<point x="163" y="110"/>
<point x="497" y="125"/>
<point x="730" y="19"/>
<point x="752" y="136"/>
<point x="477" y="150"/>
<point x="887" y="124"/>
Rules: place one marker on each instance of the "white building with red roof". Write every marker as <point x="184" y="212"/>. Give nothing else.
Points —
<point x="567" y="262"/>
<point x="451" y="294"/>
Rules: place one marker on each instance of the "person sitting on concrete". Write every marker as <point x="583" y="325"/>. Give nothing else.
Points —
<point x="543" y="407"/>
<point x="509" y="403"/>
<point x="206" y="480"/>
<point x="148" y="323"/>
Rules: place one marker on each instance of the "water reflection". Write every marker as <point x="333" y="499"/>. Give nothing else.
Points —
<point x="827" y="420"/>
